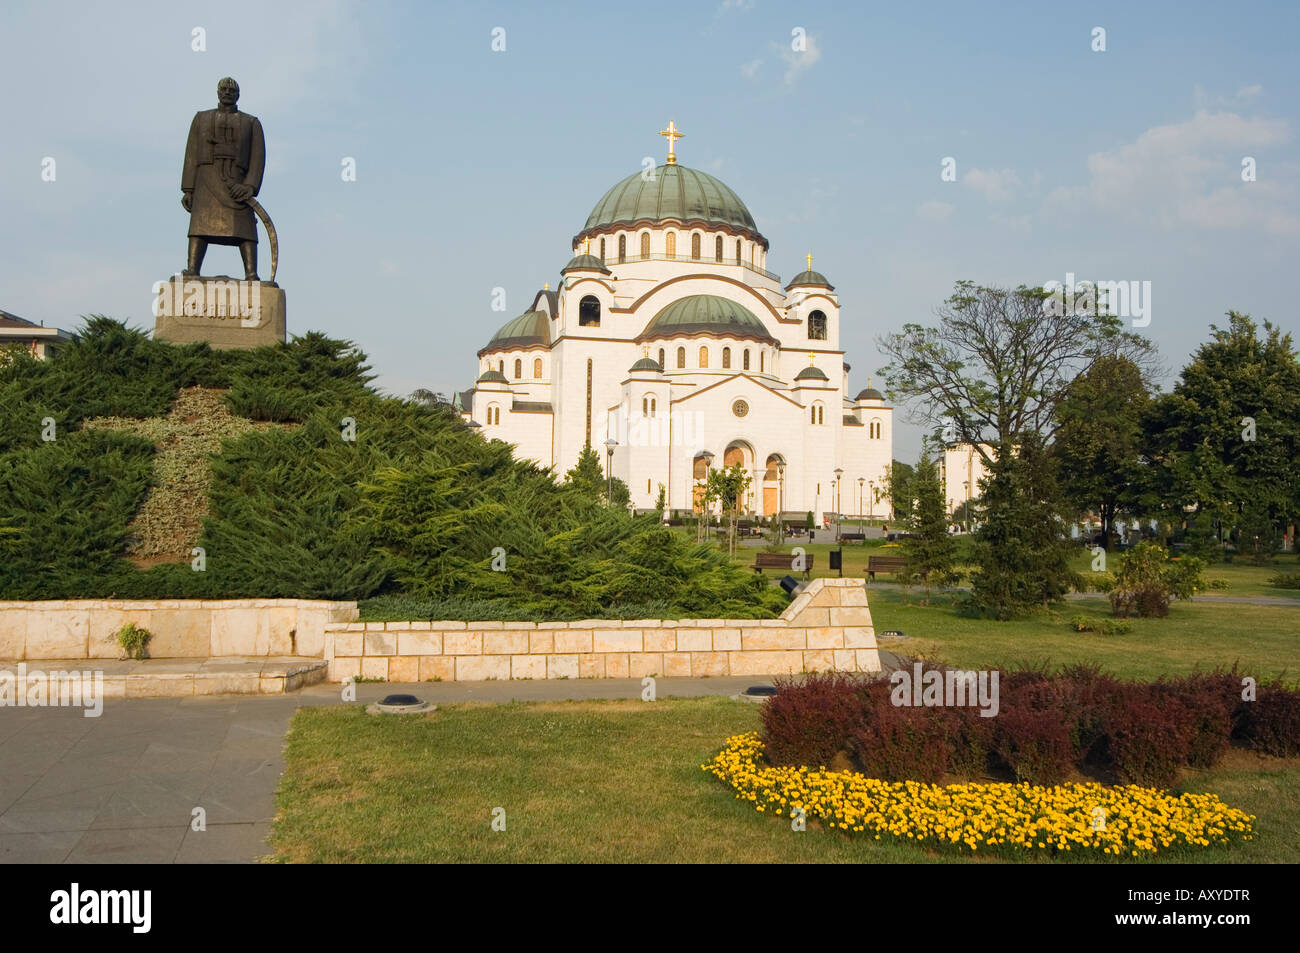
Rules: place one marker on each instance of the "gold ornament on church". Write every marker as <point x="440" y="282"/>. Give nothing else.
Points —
<point x="740" y="408"/>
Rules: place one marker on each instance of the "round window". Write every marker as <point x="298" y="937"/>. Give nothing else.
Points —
<point x="740" y="408"/>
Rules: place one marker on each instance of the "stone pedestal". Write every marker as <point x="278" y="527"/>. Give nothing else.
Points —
<point x="225" y="312"/>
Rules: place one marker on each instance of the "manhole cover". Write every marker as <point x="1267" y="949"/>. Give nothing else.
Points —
<point x="399" y="705"/>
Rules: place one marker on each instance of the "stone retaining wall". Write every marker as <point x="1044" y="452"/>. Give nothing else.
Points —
<point x="181" y="628"/>
<point x="827" y="627"/>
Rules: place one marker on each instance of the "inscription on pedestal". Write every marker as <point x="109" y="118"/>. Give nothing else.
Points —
<point x="224" y="312"/>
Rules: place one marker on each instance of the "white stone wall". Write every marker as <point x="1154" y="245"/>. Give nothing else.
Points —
<point x="181" y="628"/>
<point x="827" y="628"/>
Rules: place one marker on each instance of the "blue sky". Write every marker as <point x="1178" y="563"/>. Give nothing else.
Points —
<point x="475" y="168"/>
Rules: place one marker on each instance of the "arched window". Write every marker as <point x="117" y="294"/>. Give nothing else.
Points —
<point x="681" y="357"/>
<point x="662" y="365"/>
<point x="818" y="414"/>
<point x="589" y="312"/>
<point x="645" y="244"/>
<point x="704" y="357"/>
<point x="812" y="414"/>
<point x="501" y="366"/>
<point x="519" y="369"/>
<point x="761" y="356"/>
<point x="622" y="247"/>
<point x="739" y="246"/>
<point x="537" y="367"/>
<point x="753" y="252"/>
<point x="494" y="414"/>
<point x="652" y="406"/>
<point x="672" y="244"/>
<point x="645" y="406"/>
<point x="874" y="430"/>
<point x="717" y="248"/>
<point x="817" y="326"/>
<point x="695" y="245"/>
<point x="726" y="358"/>
<point x="746" y="357"/>
<point x="602" y="249"/>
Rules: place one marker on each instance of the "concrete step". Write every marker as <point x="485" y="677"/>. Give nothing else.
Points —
<point x="178" y="677"/>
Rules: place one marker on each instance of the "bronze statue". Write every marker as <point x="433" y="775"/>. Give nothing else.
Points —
<point x="224" y="160"/>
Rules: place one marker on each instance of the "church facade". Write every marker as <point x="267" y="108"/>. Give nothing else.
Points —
<point x="670" y="348"/>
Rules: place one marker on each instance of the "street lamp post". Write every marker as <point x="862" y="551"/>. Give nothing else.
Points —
<point x="610" y="444"/>
<point x="838" y="474"/>
<point x="780" y="501"/>
<point x="871" y="500"/>
<point x="965" y="516"/>
<point x="861" y="480"/>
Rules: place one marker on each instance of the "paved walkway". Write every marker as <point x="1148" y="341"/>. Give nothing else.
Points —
<point x="121" y="788"/>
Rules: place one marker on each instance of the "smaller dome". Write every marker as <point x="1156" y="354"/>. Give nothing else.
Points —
<point x="646" y="364"/>
<point x="811" y="279"/>
<point x="492" y="376"/>
<point x="811" y="373"/>
<point x="585" y="263"/>
<point x="528" y="330"/>
<point x="870" y="394"/>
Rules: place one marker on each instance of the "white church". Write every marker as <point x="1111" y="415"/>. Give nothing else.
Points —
<point x="670" y="348"/>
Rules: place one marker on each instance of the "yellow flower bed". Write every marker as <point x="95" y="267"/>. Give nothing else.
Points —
<point x="1133" y="821"/>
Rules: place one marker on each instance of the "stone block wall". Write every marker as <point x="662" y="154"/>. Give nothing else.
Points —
<point x="181" y="628"/>
<point x="827" y="627"/>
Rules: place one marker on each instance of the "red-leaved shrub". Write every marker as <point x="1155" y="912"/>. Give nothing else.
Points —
<point x="901" y="743"/>
<point x="1272" y="722"/>
<point x="809" y="720"/>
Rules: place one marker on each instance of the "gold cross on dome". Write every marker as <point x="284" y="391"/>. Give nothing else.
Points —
<point x="586" y="245"/>
<point x="809" y="257"/>
<point x="547" y="286"/>
<point x="673" y="135"/>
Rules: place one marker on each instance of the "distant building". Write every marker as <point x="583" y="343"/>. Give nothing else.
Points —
<point x="962" y="468"/>
<point x="668" y="337"/>
<point x="38" y="340"/>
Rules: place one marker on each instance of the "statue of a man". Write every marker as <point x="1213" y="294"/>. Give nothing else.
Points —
<point x="224" y="160"/>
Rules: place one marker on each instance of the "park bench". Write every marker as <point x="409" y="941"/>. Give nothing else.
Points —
<point x="889" y="564"/>
<point x="853" y="537"/>
<point x="784" y="561"/>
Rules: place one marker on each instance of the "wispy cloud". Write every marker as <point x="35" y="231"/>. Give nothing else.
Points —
<point x="750" y="70"/>
<point x="997" y="185"/>
<point x="1189" y="173"/>
<point x="799" y="61"/>
<point x="934" y="211"/>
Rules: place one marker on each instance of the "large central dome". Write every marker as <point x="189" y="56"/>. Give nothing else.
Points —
<point x="675" y="192"/>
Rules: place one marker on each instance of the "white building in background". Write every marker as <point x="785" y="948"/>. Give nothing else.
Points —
<point x="36" y="339"/>
<point x="668" y="335"/>
<point x="963" y="469"/>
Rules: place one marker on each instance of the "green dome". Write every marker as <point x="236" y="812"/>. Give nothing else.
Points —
<point x="675" y="192"/>
<point x="871" y="394"/>
<point x="646" y="364"/>
<point x="585" y="263"/>
<point x="815" y="278"/>
<point x="811" y="373"/>
<point x="492" y="376"/>
<point x="705" y="314"/>
<point x="528" y="330"/>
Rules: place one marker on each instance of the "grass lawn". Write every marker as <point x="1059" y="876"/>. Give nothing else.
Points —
<point x="1242" y="578"/>
<point x="614" y="781"/>
<point x="1264" y="639"/>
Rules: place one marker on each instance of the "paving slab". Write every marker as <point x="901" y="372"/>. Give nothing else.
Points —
<point x="122" y="787"/>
